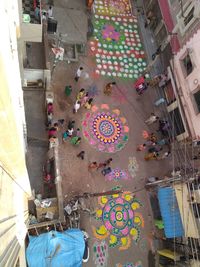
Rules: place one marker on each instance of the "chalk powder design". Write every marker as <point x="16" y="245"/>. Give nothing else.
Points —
<point x="100" y="250"/>
<point x="104" y="129"/>
<point x="120" y="220"/>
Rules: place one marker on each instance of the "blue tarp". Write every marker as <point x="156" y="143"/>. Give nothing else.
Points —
<point x="56" y="249"/>
<point x="170" y="212"/>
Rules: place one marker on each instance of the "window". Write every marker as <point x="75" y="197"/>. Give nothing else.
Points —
<point x="186" y="17"/>
<point x="197" y="100"/>
<point x="187" y="65"/>
<point x="169" y="93"/>
<point x="189" y="16"/>
<point x="177" y="122"/>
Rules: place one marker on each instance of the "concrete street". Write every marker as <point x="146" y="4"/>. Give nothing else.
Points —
<point x="77" y="179"/>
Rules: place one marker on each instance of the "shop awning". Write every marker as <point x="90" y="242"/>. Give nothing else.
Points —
<point x="170" y="212"/>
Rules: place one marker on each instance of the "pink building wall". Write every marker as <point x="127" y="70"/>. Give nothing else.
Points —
<point x="187" y="86"/>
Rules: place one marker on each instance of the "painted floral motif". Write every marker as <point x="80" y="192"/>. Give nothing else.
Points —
<point x="104" y="129"/>
<point x="117" y="174"/>
<point x="117" y="47"/>
<point x="109" y="33"/>
<point x="120" y="220"/>
<point x="113" y="7"/>
<point x="100" y="253"/>
<point x="133" y="166"/>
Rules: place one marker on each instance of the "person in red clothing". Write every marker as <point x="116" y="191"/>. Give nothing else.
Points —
<point x="139" y="81"/>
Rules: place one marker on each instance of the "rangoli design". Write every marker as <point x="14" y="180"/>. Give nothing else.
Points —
<point x="137" y="264"/>
<point x="100" y="250"/>
<point x="117" y="174"/>
<point x="116" y="44"/>
<point x="113" y="7"/>
<point x="133" y="166"/>
<point x="105" y="129"/>
<point x="120" y="220"/>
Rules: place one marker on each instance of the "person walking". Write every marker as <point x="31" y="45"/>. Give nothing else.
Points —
<point x="68" y="90"/>
<point x="80" y="94"/>
<point x="78" y="74"/>
<point x="81" y="155"/>
<point x="152" y="119"/>
<point x="93" y="165"/>
<point x="77" y="105"/>
<point x="108" y="88"/>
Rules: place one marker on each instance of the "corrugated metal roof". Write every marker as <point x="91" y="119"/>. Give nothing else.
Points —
<point x="170" y="212"/>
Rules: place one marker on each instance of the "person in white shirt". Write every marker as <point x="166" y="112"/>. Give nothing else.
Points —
<point x="50" y="12"/>
<point x="153" y="118"/>
<point x="78" y="74"/>
<point x="77" y="106"/>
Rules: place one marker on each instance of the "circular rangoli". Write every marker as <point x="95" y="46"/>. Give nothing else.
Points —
<point x="120" y="220"/>
<point x="117" y="174"/>
<point x="105" y="129"/>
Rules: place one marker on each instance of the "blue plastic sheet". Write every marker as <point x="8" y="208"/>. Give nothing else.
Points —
<point x="170" y="212"/>
<point x="56" y="249"/>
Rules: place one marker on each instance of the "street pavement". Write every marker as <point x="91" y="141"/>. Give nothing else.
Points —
<point x="122" y="243"/>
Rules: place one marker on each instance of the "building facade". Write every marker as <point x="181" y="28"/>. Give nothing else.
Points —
<point x="14" y="181"/>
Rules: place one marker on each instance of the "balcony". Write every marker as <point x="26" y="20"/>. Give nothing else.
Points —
<point x="31" y="22"/>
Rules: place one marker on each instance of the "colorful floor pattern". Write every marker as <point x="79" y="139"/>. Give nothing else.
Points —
<point x="117" y="175"/>
<point x="120" y="221"/>
<point x="104" y="129"/>
<point x="133" y="166"/>
<point x="116" y="44"/>
<point x="137" y="264"/>
<point x="113" y="7"/>
<point x="100" y="253"/>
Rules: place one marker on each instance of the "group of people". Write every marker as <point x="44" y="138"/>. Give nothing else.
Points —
<point x="71" y="134"/>
<point x="82" y="100"/>
<point x="141" y="85"/>
<point x="152" y="144"/>
<point x="154" y="147"/>
<point x="106" y="169"/>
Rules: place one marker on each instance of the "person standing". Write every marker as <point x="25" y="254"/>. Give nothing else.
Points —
<point x="78" y="74"/>
<point x="50" y="12"/>
<point x="68" y="90"/>
<point x="76" y="106"/>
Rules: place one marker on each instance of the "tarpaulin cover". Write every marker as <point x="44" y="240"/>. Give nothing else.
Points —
<point x="170" y="212"/>
<point x="56" y="249"/>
